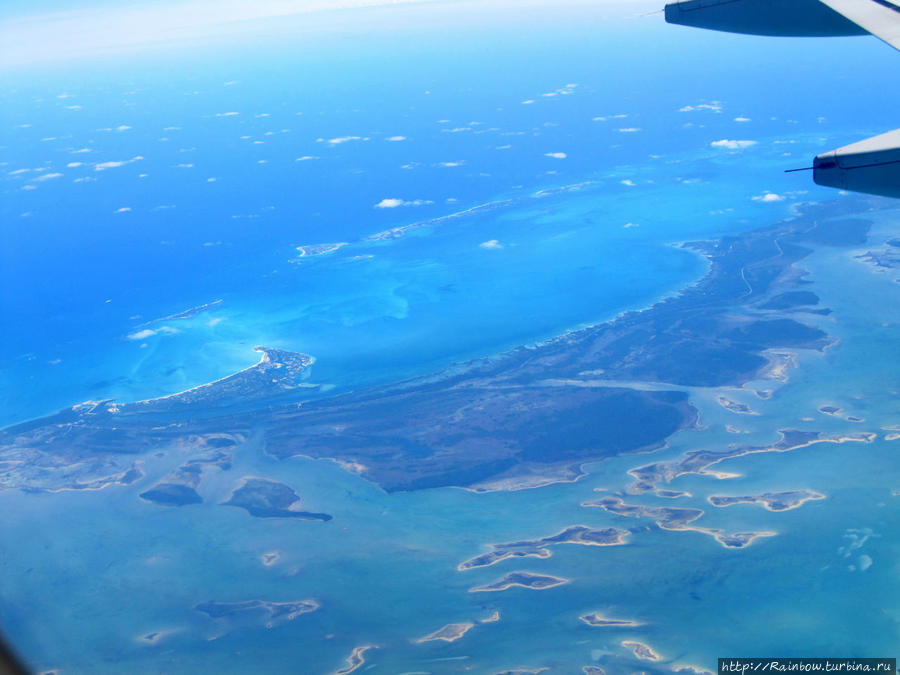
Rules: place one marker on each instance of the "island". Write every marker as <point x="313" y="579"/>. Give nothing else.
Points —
<point x="576" y="534"/>
<point x="641" y="651"/>
<point x="264" y="498"/>
<point x="773" y="501"/>
<point x="179" y="488"/>
<point x="599" y="620"/>
<point x="356" y="659"/>
<point x="449" y="633"/>
<point x="522" y="418"/>
<point x="529" y="580"/>
<point x="676" y="519"/>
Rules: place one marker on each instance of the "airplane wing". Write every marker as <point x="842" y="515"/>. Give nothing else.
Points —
<point x="872" y="165"/>
<point x="881" y="18"/>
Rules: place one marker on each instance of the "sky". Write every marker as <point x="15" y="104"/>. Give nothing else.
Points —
<point x="50" y="31"/>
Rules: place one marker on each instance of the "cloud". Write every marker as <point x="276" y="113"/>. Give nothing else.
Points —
<point x="124" y="209"/>
<point x="768" y="197"/>
<point x="715" y="106"/>
<point x="491" y="245"/>
<point x="227" y="114"/>
<point x="395" y="139"/>
<point x="46" y="176"/>
<point x="741" y="118"/>
<point x="556" y="155"/>
<point x="630" y="225"/>
<point x="80" y="151"/>
<point x="629" y="130"/>
<point x="528" y="101"/>
<point x="732" y="145"/>
<point x="18" y="172"/>
<point x="628" y="182"/>
<point x="306" y="158"/>
<point x="147" y="332"/>
<point x="456" y="130"/>
<point x="341" y="139"/>
<point x="73" y="107"/>
<point x="394" y="203"/>
<point x="460" y="162"/>
<point x="73" y="165"/>
<point x="103" y="166"/>
<point x="123" y="127"/>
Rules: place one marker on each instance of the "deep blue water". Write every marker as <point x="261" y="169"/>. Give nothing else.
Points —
<point x="77" y="275"/>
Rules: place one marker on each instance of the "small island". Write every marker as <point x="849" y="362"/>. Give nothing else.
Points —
<point x="529" y="580"/>
<point x="773" y="501"/>
<point x="263" y="498"/>
<point x="537" y="548"/>
<point x="598" y="620"/>
<point x="449" y="633"/>
<point x="641" y="651"/>
<point x="356" y="659"/>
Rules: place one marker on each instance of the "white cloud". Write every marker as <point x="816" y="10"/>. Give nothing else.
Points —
<point x="451" y="164"/>
<point x="73" y="107"/>
<point x="556" y="155"/>
<point x="715" y="106"/>
<point x="123" y="127"/>
<point x="227" y="114"/>
<point x="741" y="118"/>
<point x="102" y="166"/>
<point x="306" y="158"/>
<point x="732" y="145"/>
<point x="492" y="245"/>
<point x="394" y="203"/>
<point x="629" y="130"/>
<point x="630" y="225"/>
<point x="528" y="101"/>
<point x="341" y="139"/>
<point x="210" y="180"/>
<point x="18" y="172"/>
<point x="47" y="176"/>
<point x="184" y="166"/>
<point x="395" y="139"/>
<point x="142" y="334"/>
<point x="456" y="130"/>
<point x="628" y="182"/>
<point x="81" y="151"/>
<point x="768" y="197"/>
<point x="73" y="165"/>
<point x="261" y="115"/>
<point x="124" y="209"/>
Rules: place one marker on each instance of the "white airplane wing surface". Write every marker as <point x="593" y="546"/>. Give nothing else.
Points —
<point x="881" y="18"/>
<point x="872" y="165"/>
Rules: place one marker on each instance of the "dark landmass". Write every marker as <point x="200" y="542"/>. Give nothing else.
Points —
<point x="522" y="671"/>
<point x="530" y="412"/>
<point x="179" y="488"/>
<point x="593" y="670"/>
<point x="773" y="501"/>
<point x="577" y="534"/>
<point x="272" y="612"/>
<point x="270" y="499"/>
<point x="829" y="409"/>
<point x="537" y="582"/>
<point x="791" y="299"/>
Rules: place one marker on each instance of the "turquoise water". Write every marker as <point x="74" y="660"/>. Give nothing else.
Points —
<point x="86" y="575"/>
